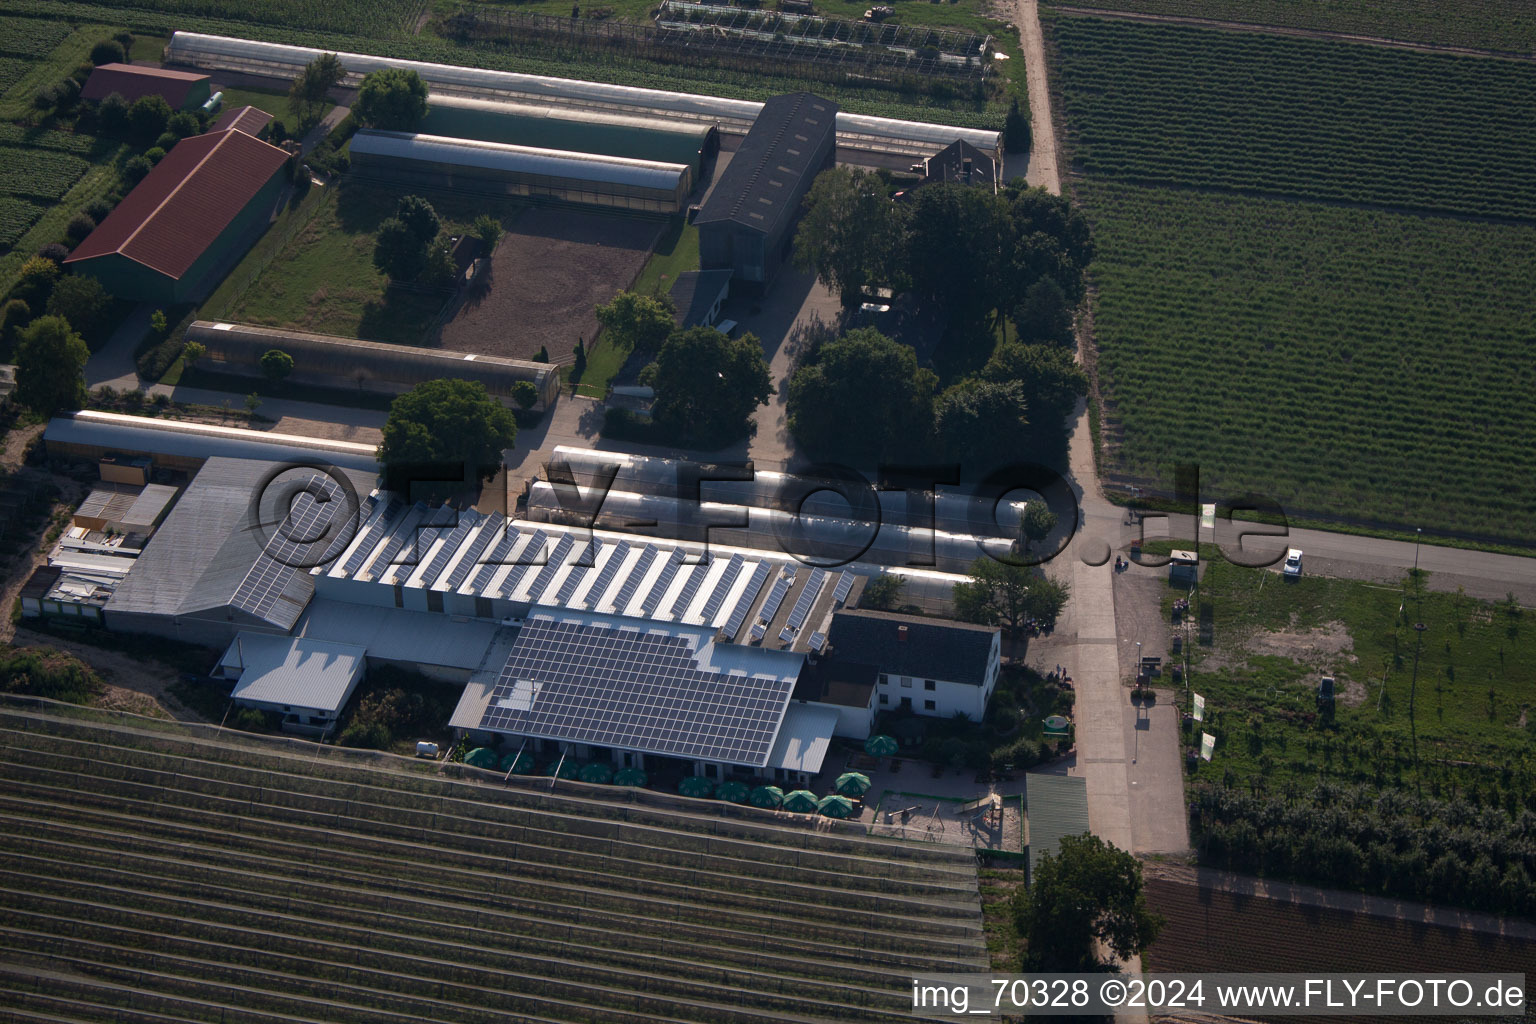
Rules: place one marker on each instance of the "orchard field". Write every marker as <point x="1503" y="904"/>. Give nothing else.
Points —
<point x="1313" y="268"/>
<point x="1306" y="118"/>
<point x="1503" y="25"/>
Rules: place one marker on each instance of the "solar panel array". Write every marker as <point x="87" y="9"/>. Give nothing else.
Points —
<point x="668" y="573"/>
<point x="533" y="549"/>
<point x="609" y="571"/>
<point x="690" y="588"/>
<point x="372" y="536"/>
<point x="496" y="559"/>
<point x="639" y="690"/>
<point x="775" y="598"/>
<point x="748" y="596"/>
<point x="556" y="560"/>
<point x="493" y="526"/>
<point x="626" y="592"/>
<point x="291" y="546"/>
<point x="807" y="598"/>
<point x="722" y="587"/>
<point x="386" y="559"/>
<point x="844" y="585"/>
<point x="578" y="572"/>
<point x="467" y="520"/>
<point x="818" y="641"/>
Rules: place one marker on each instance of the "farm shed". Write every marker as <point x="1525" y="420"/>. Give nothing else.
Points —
<point x="697" y="296"/>
<point x="306" y="681"/>
<point x="248" y="119"/>
<point x="1058" y="806"/>
<point x="187" y="223"/>
<point x="914" y="139"/>
<point x="183" y="90"/>
<point x="747" y="224"/>
<point x="371" y="365"/>
<point x="549" y="126"/>
<point x="493" y="168"/>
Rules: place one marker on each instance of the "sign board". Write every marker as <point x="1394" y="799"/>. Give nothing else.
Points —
<point x="1207" y="745"/>
<point x="1208" y="517"/>
<point x="1199" y="708"/>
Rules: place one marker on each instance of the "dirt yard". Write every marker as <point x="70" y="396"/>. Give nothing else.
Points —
<point x="547" y="274"/>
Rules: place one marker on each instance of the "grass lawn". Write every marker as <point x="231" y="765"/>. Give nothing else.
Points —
<point x="273" y="101"/>
<point x="1005" y="947"/>
<point x="324" y="280"/>
<point x="197" y="377"/>
<point x="148" y="49"/>
<point x="1470" y="713"/>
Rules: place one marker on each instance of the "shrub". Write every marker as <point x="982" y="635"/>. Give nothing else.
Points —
<point x="16" y="314"/>
<point x="147" y="118"/>
<point x="36" y="281"/>
<point x="182" y="124"/>
<point x="97" y="210"/>
<point x="276" y="365"/>
<point x="108" y="51"/>
<point x="277" y="132"/>
<point x="153" y="363"/>
<point x="525" y="394"/>
<point x="80" y="225"/>
<point x="82" y="301"/>
<point x="251" y="720"/>
<point x="154" y="154"/>
<point x="112" y="115"/>
<point x="45" y="672"/>
<point x="135" y="169"/>
<point x="371" y="735"/>
<point x="166" y="140"/>
<point x="58" y="252"/>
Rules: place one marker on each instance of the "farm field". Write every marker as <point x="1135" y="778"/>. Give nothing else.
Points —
<point x="1317" y="120"/>
<point x="324" y="279"/>
<point x="1504" y="25"/>
<point x="1354" y="364"/>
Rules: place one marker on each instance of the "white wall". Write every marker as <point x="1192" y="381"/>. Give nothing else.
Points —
<point x="946" y="696"/>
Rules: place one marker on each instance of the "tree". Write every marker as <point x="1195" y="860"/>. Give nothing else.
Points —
<point x="14" y="315"/>
<point x="135" y="170"/>
<point x="192" y="351"/>
<point x="982" y="423"/>
<point x="417" y="214"/>
<point x="1006" y="595"/>
<point x="851" y="234"/>
<point x="108" y="51"/>
<point x="440" y="270"/>
<point x="959" y="249"/>
<point x="580" y="352"/>
<point x="525" y="393"/>
<point x="637" y="322"/>
<point x="35" y="284"/>
<point x="154" y="154"/>
<point x="50" y="366"/>
<point x="1089" y="892"/>
<point x="393" y="99"/>
<point x="882" y="592"/>
<point x="252" y="403"/>
<point x="864" y="398"/>
<point x="398" y="251"/>
<point x="488" y="230"/>
<point x="276" y="365"/>
<point x="452" y="421"/>
<point x="1050" y="238"/>
<point x="1045" y="316"/>
<point x="1052" y="384"/>
<point x="1017" y="134"/>
<point x="147" y="118"/>
<point x="157" y="322"/>
<point x="112" y="114"/>
<point x="1036" y="524"/>
<point x="82" y="301"/>
<point x="707" y="385"/>
<point x="183" y="124"/>
<point x="542" y="355"/>
<point x="307" y="94"/>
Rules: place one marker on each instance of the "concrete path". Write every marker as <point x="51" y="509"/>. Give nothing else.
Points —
<point x="332" y="118"/>
<point x="113" y="363"/>
<point x="1042" y="171"/>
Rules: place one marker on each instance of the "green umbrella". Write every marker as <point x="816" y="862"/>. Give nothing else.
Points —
<point x="835" y="806"/>
<point x="696" y="785"/>
<point x="568" y="768"/>
<point x="766" y="796"/>
<point x="853" y="784"/>
<point x="801" y="801"/>
<point x="629" y="777"/>
<point x="519" y="764"/>
<point x="735" y="792"/>
<point x="597" y="771"/>
<point x="481" y="757"/>
<point x="880" y="745"/>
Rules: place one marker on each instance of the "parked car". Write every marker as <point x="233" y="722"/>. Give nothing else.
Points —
<point x="1292" y="566"/>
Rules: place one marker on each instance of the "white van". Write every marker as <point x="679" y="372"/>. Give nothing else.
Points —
<point x="1292" y="566"/>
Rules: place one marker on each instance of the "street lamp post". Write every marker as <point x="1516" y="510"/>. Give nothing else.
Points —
<point x="1418" y="532"/>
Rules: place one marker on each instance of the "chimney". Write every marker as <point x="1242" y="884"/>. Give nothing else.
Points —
<point x="901" y="634"/>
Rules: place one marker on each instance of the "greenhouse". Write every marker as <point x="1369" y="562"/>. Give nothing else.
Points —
<point x="367" y="365"/>
<point x="859" y="132"/>
<point x="547" y="126"/>
<point x="493" y="168"/>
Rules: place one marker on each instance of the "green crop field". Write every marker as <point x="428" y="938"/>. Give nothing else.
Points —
<point x="1505" y="25"/>
<point x="16" y="216"/>
<point x="28" y="37"/>
<point x="1356" y="363"/>
<point x="38" y="173"/>
<point x="1317" y="120"/>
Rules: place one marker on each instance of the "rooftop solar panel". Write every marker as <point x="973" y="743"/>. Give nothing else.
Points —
<point x="525" y="561"/>
<point x="635" y="689"/>
<point x="844" y="584"/>
<point x="556" y="560"/>
<point x="578" y="571"/>
<point x="626" y="592"/>
<point x="775" y="598"/>
<point x="748" y="596"/>
<point x="690" y="589"/>
<point x="807" y="598"/>
<point x="371" y="537"/>
<point x="467" y="520"/>
<point x="818" y="641"/>
<point x="659" y="588"/>
<point x="290" y="546"/>
<point x="609" y="571"/>
<point x="496" y="559"/>
<point x="403" y="530"/>
<point x="722" y="587"/>
<point x="471" y="560"/>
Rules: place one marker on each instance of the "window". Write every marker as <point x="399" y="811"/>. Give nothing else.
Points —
<point x="906" y="682"/>
<point x="929" y="684"/>
<point x="885" y="698"/>
<point x="929" y="705"/>
<point x="906" y="702"/>
<point x="885" y="680"/>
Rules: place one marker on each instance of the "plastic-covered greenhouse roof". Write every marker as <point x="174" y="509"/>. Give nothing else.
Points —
<point x="124" y="433"/>
<point x="546" y="126"/>
<point x="280" y="60"/>
<point x="496" y="156"/>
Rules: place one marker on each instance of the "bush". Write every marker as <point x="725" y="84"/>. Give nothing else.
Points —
<point x="370" y="735"/>
<point x="80" y="225"/>
<point x="16" y="314"/>
<point x="108" y="51"/>
<point x="98" y="209"/>
<point x="182" y="124"/>
<point x="57" y="251"/>
<point x="277" y="132"/>
<point x="135" y="170"/>
<point x="525" y="394"/>
<point x="157" y="359"/>
<point x="36" y="281"/>
<point x="112" y="115"/>
<point x="276" y="365"/>
<point x="166" y="140"/>
<point x="45" y="672"/>
<point x="252" y="720"/>
<point x="147" y="118"/>
<point x="154" y="154"/>
<point x="82" y="301"/>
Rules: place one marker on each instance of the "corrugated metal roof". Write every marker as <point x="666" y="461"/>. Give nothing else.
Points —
<point x="124" y="433"/>
<point x="1057" y="806"/>
<point x="498" y="156"/>
<point x="774" y="166"/>
<point x="149" y="505"/>
<point x="804" y="738"/>
<point x="294" y="671"/>
<point x="398" y="634"/>
<point x="248" y="119"/>
<point x="175" y="213"/>
<point x="132" y="81"/>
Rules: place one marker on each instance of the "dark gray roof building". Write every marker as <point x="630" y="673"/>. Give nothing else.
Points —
<point x="696" y="297"/>
<point x="961" y="163"/>
<point x="910" y="645"/>
<point x="747" y="223"/>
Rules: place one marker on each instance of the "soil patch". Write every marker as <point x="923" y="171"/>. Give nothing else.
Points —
<point x="549" y="272"/>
